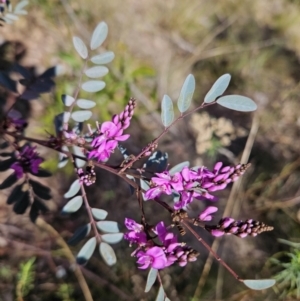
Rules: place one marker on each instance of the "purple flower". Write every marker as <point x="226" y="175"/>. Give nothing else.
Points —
<point x="107" y="140"/>
<point x="28" y="160"/>
<point x="205" y="215"/>
<point x="154" y="257"/>
<point x="137" y="234"/>
<point x="193" y="183"/>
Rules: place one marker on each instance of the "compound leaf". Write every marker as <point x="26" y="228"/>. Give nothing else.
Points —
<point x="237" y="103"/>
<point x="99" y="35"/>
<point x="93" y="86"/>
<point x="73" y="205"/>
<point x="108" y="226"/>
<point x="186" y="93"/>
<point x="107" y="253"/>
<point x="152" y="275"/>
<point x="74" y="188"/>
<point x="103" y="58"/>
<point x="112" y="238"/>
<point x="80" y="47"/>
<point x="97" y="71"/>
<point x="99" y="214"/>
<point x="167" y="111"/>
<point x="218" y="88"/>
<point x="86" y="251"/>
<point x="259" y="284"/>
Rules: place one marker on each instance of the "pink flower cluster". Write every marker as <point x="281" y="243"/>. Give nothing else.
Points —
<point x="110" y="133"/>
<point x="28" y="160"/>
<point x="157" y="255"/>
<point x="228" y="225"/>
<point x="193" y="183"/>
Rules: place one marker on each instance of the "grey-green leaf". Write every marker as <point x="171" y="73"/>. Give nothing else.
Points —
<point x="179" y="167"/>
<point x="86" y="251"/>
<point x="20" y="12"/>
<point x="237" y="103"/>
<point x="103" y="58"/>
<point x="11" y="17"/>
<point x="108" y="226"/>
<point x="259" y="284"/>
<point x="218" y="88"/>
<point x="93" y="86"/>
<point x="21" y="5"/>
<point x="67" y="100"/>
<point x="81" y="116"/>
<point x="80" y="47"/>
<point x="78" y="152"/>
<point x="85" y="103"/>
<point x="152" y="275"/>
<point x="167" y="111"/>
<point x="99" y="35"/>
<point x="186" y="94"/>
<point x="73" y="205"/>
<point x="97" y="71"/>
<point x="112" y="238"/>
<point x="107" y="253"/>
<point x="161" y="294"/>
<point x="74" y="188"/>
<point x="99" y="214"/>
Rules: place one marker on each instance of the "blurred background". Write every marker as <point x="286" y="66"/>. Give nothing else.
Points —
<point x="157" y="44"/>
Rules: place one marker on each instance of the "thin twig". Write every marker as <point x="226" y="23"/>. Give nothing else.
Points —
<point x="60" y="241"/>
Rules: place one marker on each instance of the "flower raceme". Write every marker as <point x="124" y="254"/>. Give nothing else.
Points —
<point x="194" y="183"/>
<point x="157" y="255"/>
<point x="110" y="133"/>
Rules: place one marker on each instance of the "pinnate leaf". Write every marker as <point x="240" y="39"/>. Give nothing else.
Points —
<point x="97" y="71"/>
<point x="112" y="238"/>
<point x="103" y="58"/>
<point x="80" y="47"/>
<point x="161" y="294"/>
<point x="86" y="251"/>
<point x="21" y="205"/>
<point x="9" y="181"/>
<point x="6" y="164"/>
<point x="237" y="103"/>
<point x="99" y="214"/>
<point x="152" y="275"/>
<point x="67" y="100"/>
<point x="186" y="93"/>
<point x="74" y="188"/>
<point x="108" y="226"/>
<point x="107" y="253"/>
<point x="85" y="103"/>
<point x="259" y="284"/>
<point x="167" y="111"/>
<point x="93" y="86"/>
<point x="81" y="116"/>
<point x="73" y="205"/>
<point x="99" y="35"/>
<point x="41" y="190"/>
<point x="16" y="195"/>
<point x="218" y="88"/>
<point x="19" y="6"/>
